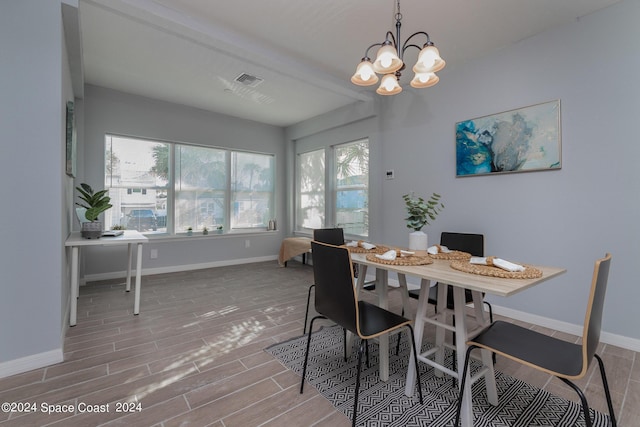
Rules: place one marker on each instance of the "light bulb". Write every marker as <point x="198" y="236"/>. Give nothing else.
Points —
<point x="428" y="58"/>
<point x="366" y="74"/>
<point x="385" y="61"/>
<point x="388" y="85"/>
<point x="424" y="77"/>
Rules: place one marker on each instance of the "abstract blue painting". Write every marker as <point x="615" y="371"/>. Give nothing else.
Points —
<point x="520" y="140"/>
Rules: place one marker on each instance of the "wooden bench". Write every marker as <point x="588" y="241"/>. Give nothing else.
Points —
<point x="293" y="246"/>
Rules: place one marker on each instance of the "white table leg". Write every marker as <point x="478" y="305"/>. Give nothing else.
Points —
<point x="136" y="304"/>
<point x="418" y="331"/>
<point x="362" y="277"/>
<point x="466" y="415"/>
<point x="74" y="285"/>
<point x="129" y="248"/>
<point x="382" y="277"/>
<point x="487" y="359"/>
<point x="441" y="316"/>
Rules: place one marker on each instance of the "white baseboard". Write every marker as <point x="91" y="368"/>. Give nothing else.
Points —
<point x="570" y="328"/>
<point x="177" y="268"/>
<point x="28" y="363"/>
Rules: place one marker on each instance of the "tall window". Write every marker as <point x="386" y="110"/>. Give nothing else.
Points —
<point x="352" y="187"/>
<point x="200" y="187"/>
<point x="137" y="176"/>
<point x="346" y="172"/>
<point x="310" y="209"/>
<point x="168" y="187"/>
<point x="251" y="190"/>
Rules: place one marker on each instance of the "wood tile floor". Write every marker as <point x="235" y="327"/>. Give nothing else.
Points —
<point x="194" y="357"/>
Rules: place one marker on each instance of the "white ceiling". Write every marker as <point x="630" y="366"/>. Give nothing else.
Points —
<point x="190" y="51"/>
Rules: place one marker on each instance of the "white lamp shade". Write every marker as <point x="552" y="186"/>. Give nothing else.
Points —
<point x="423" y="80"/>
<point x="387" y="60"/>
<point x="429" y="61"/>
<point x="364" y="75"/>
<point x="389" y="85"/>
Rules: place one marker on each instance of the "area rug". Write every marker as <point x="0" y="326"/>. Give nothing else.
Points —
<point x="385" y="404"/>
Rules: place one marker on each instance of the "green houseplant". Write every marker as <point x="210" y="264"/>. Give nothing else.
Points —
<point x="95" y="203"/>
<point x="420" y="212"/>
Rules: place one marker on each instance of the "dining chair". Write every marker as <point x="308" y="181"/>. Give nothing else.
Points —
<point x="336" y="300"/>
<point x="332" y="236"/>
<point x="465" y="242"/>
<point x="563" y="359"/>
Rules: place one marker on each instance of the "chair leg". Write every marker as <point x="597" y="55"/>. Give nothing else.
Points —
<point x="462" y="384"/>
<point x="605" y="383"/>
<point x="415" y="358"/>
<point x="398" y="343"/>
<point x="583" y="400"/>
<point x="490" y="311"/>
<point x="493" y="355"/>
<point x="344" y="340"/>
<point x="367" y="353"/>
<point x="306" y="354"/>
<point x="306" y="313"/>
<point x="363" y="343"/>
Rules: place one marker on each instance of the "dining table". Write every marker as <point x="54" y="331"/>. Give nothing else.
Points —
<point x="468" y="321"/>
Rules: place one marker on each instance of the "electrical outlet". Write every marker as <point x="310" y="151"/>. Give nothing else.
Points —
<point x="154" y="253"/>
<point x="247" y="243"/>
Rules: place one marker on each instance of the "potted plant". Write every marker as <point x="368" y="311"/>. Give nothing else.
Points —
<point x="95" y="203"/>
<point x="205" y="230"/>
<point x="189" y="231"/>
<point x="219" y="229"/>
<point x="420" y="212"/>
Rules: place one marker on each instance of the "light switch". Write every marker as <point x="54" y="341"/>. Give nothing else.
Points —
<point x="389" y="174"/>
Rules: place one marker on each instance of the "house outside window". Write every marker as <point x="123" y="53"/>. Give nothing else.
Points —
<point x="165" y="188"/>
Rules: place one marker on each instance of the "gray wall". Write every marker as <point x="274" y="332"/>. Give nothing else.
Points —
<point x="35" y="85"/>
<point x="566" y="218"/>
<point x="108" y="111"/>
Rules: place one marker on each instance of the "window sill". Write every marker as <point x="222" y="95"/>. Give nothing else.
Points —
<point x="212" y="235"/>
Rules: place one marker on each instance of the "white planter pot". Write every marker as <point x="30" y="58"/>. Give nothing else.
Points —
<point x="418" y="241"/>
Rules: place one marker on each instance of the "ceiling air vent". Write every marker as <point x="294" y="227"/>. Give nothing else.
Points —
<point x="248" y="80"/>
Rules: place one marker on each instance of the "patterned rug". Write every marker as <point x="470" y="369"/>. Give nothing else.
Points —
<point x="385" y="404"/>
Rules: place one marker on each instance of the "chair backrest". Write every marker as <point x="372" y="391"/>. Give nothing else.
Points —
<point x="465" y="242"/>
<point x="332" y="236"/>
<point x="593" y="318"/>
<point x="335" y="296"/>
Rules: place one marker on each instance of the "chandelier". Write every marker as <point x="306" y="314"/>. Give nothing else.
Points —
<point x="390" y="65"/>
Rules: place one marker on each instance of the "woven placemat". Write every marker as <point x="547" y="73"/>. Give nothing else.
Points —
<point x="402" y="260"/>
<point x="360" y="250"/>
<point x="451" y="255"/>
<point x="489" y="270"/>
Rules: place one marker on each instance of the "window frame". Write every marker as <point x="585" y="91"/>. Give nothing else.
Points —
<point x="331" y="186"/>
<point x="172" y="179"/>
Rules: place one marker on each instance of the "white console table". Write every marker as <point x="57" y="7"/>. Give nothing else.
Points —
<point x="129" y="238"/>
